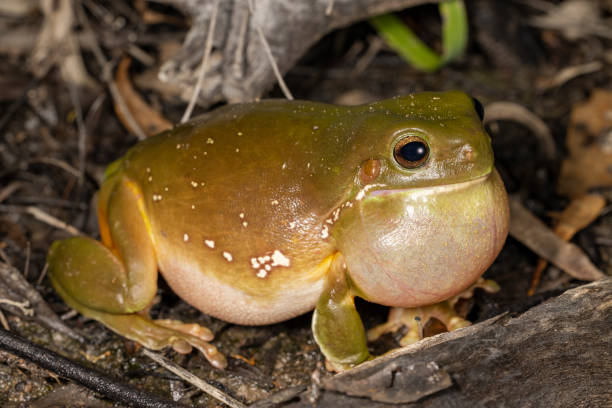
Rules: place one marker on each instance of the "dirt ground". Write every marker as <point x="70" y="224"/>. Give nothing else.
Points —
<point x="57" y="136"/>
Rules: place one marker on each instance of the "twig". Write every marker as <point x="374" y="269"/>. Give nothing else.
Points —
<point x="9" y="190"/>
<point x="87" y="377"/>
<point x="193" y="380"/>
<point x="15" y="286"/>
<point x="107" y="76"/>
<point x="76" y="103"/>
<point x="51" y="220"/>
<point x="43" y="273"/>
<point x="569" y="73"/>
<point x="262" y="37"/>
<point x="204" y="64"/>
<point x="4" y="257"/>
<point x="376" y="44"/>
<point x="58" y="163"/>
<point x="513" y="111"/>
<point x="26" y="269"/>
<point x="4" y="321"/>
<point x="23" y="306"/>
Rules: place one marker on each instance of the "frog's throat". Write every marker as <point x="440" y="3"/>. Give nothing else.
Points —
<point x="425" y="191"/>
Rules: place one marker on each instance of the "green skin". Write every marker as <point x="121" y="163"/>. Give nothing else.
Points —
<point x="260" y="212"/>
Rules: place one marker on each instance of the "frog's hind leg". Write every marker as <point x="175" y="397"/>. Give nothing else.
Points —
<point x="114" y="283"/>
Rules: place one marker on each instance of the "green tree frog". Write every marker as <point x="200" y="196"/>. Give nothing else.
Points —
<point x="262" y="211"/>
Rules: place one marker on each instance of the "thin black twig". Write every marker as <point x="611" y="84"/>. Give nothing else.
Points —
<point x="87" y="377"/>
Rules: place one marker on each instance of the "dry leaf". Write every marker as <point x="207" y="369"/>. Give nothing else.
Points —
<point x="57" y="44"/>
<point x="535" y="235"/>
<point x="581" y="212"/>
<point x="589" y="143"/>
<point x="147" y="118"/>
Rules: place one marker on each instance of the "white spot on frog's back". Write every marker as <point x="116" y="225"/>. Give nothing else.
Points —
<point x="186" y="237"/>
<point x="210" y="140"/>
<point x="228" y="256"/>
<point x="209" y="243"/>
<point x="266" y="263"/>
<point x="279" y="259"/>
<point x="156" y="197"/>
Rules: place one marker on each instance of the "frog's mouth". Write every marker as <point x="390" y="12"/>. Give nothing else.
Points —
<point x="441" y="189"/>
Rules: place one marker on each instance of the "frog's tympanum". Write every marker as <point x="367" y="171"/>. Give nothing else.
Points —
<point x="263" y="211"/>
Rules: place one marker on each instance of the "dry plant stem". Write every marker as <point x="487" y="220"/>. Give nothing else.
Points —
<point x="535" y="235"/>
<point x="9" y="190"/>
<point x="4" y="257"/>
<point x="204" y="65"/>
<point x="4" y="321"/>
<point x="76" y="103"/>
<point x="23" y="306"/>
<point x="106" y="70"/>
<point x="376" y="44"/>
<point x="51" y="220"/>
<point x="193" y="380"/>
<point x="14" y="287"/>
<point x="512" y="111"/>
<point x="569" y="73"/>
<point x="43" y="273"/>
<point x="26" y="269"/>
<point x="277" y="73"/>
<point x="58" y="163"/>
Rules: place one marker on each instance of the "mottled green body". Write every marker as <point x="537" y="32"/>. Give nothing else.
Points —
<point x="250" y="211"/>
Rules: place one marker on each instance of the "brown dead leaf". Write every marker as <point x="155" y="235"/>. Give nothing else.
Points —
<point x="580" y="212"/>
<point x="147" y="118"/>
<point x="589" y="143"/>
<point x="534" y="234"/>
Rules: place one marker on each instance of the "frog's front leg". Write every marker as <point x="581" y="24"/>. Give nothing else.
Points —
<point x="414" y="319"/>
<point x="336" y="325"/>
<point x="115" y="282"/>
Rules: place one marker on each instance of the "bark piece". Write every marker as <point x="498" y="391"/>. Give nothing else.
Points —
<point x="556" y="354"/>
<point x="238" y="69"/>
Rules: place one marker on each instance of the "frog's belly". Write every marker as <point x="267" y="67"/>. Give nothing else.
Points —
<point x="220" y="299"/>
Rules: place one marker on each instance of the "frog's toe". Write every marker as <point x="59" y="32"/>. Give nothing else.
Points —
<point x="414" y="319"/>
<point x="193" y="329"/>
<point x="183" y="336"/>
<point x="158" y="334"/>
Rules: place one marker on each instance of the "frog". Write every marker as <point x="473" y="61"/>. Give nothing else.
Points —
<point x="260" y="212"/>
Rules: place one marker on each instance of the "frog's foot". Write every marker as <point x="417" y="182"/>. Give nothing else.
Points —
<point x="414" y="319"/>
<point x="157" y="334"/>
<point x="338" y="367"/>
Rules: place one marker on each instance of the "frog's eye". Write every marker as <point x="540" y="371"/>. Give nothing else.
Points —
<point x="478" y="107"/>
<point x="411" y="152"/>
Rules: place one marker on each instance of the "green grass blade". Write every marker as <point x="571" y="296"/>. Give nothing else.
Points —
<point x="403" y="41"/>
<point x="454" y="29"/>
<point x="408" y="45"/>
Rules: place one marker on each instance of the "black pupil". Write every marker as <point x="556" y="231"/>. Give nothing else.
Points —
<point x="413" y="151"/>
